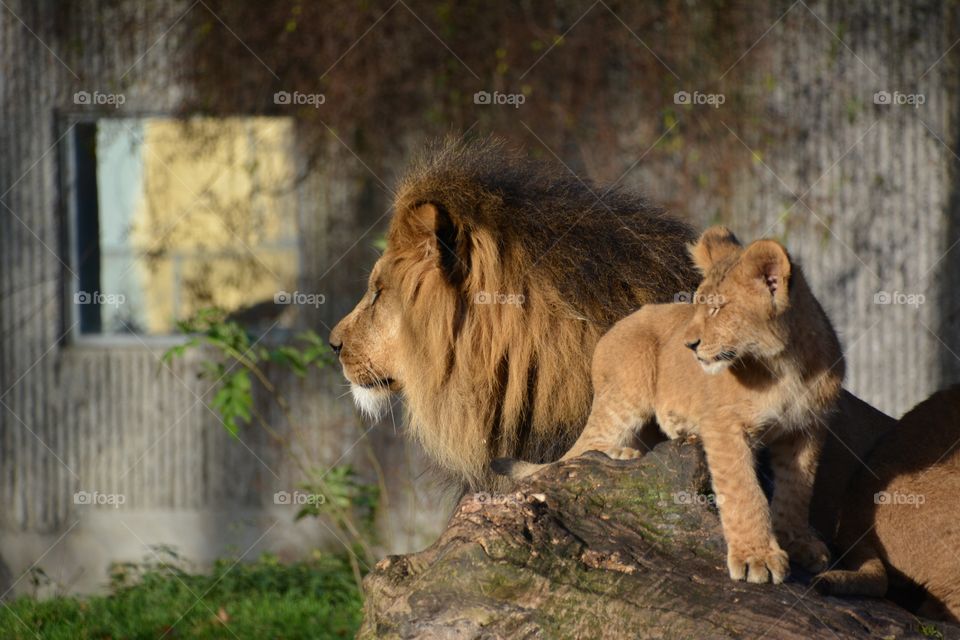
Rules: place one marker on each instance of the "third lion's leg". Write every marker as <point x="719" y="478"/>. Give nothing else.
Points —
<point x="794" y="460"/>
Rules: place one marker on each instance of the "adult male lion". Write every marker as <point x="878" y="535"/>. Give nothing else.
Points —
<point x="499" y="276"/>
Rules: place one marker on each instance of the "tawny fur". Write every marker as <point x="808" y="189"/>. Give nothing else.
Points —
<point x="498" y="278"/>
<point x="754" y="362"/>
<point x="900" y="518"/>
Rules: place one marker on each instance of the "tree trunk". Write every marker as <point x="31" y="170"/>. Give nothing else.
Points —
<point x="598" y="548"/>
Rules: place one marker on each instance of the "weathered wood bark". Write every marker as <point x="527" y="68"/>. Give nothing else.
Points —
<point x="597" y="548"/>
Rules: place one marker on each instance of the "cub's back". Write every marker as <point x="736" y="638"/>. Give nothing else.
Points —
<point x="912" y="500"/>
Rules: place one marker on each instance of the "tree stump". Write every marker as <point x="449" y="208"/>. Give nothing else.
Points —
<point x="596" y="548"/>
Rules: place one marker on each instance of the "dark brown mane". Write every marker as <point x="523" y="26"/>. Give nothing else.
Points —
<point x="491" y="378"/>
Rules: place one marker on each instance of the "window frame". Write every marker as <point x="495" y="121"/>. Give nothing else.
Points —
<point x="64" y="124"/>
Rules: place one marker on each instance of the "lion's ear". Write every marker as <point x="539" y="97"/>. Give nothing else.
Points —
<point x="715" y="244"/>
<point x="447" y="237"/>
<point x="768" y="262"/>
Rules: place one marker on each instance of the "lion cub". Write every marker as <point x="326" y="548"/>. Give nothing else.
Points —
<point x="899" y="523"/>
<point x="753" y="362"/>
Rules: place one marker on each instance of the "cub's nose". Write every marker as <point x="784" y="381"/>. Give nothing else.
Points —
<point x="692" y="345"/>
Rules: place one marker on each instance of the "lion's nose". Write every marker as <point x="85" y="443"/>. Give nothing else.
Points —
<point x="693" y="344"/>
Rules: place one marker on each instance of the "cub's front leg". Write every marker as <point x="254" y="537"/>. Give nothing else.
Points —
<point x="794" y="459"/>
<point x="753" y="553"/>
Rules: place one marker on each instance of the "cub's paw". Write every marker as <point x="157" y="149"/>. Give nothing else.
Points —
<point x="623" y="453"/>
<point x="830" y="582"/>
<point x="758" y="564"/>
<point x="809" y="552"/>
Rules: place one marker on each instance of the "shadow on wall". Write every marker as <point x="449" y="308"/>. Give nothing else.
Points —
<point x="948" y="329"/>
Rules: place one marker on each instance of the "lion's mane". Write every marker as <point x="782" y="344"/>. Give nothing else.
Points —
<point x="509" y="281"/>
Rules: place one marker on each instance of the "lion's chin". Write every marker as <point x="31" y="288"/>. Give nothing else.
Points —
<point x="372" y="401"/>
<point x="713" y="367"/>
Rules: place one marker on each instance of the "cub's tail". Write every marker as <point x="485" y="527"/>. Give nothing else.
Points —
<point x="513" y="468"/>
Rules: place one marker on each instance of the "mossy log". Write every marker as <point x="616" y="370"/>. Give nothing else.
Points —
<point x="597" y="548"/>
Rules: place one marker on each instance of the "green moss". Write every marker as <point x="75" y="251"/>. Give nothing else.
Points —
<point x="929" y="630"/>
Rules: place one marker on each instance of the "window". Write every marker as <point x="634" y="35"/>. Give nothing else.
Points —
<point x="170" y="216"/>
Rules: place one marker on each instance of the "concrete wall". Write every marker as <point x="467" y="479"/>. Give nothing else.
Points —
<point x="112" y="419"/>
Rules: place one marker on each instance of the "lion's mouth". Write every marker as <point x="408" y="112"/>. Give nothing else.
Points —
<point x="381" y="383"/>
<point x="717" y="363"/>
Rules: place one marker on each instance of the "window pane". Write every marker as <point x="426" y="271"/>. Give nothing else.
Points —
<point x="190" y="214"/>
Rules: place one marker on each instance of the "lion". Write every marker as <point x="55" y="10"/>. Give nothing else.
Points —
<point x="900" y="519"/>
<point x="499" y="276"/>
<point x="753" y="362"/>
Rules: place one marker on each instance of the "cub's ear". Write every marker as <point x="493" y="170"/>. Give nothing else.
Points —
<point x="768" y="262"/>
<point x="448" y="240"/>
<point x="715" y="244"/>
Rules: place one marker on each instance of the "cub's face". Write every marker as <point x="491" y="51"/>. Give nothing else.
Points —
<point x="739" y="304"/>
<point x="367" y="339"/>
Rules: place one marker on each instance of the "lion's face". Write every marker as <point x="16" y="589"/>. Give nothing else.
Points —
<point x="485" y="308"/>
<point x="367" y="339"/>
<point x="740" y="301"/>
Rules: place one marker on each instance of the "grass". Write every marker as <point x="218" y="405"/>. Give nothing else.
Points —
<point x="265" y="599"/>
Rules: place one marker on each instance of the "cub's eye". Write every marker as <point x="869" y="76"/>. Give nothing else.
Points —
<point x="714" y="311"/>
<point x="376" y="294"/>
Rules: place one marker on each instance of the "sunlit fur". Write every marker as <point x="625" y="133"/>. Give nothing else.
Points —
<point x="372" y="402"/>
<point x="776" y="367"/>
<point x="488" y="379"/>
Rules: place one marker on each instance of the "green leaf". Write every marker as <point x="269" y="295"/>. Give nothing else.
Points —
<point x="178" y="350"/>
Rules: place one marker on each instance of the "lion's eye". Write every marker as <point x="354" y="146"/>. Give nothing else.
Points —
<point x="376" y="294"/>
<point x="714" y="311"/>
